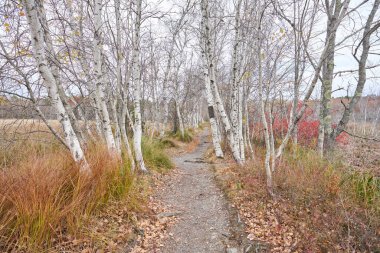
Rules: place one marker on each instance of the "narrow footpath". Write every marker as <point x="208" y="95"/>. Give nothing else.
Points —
<point x="201" y="207"/>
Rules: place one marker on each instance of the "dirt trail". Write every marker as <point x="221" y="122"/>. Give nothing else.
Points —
<point x="203" y="224"/>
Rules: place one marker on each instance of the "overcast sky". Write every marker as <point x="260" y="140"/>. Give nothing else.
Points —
<point x="344" y="59"/>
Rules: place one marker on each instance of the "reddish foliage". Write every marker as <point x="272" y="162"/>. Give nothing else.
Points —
<point x="342" y="138"/>
<point x="307" y="128"/>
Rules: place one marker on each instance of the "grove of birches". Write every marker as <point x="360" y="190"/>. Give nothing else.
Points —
<point x="115" y="72"/>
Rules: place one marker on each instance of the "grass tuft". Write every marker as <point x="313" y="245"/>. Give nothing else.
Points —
<point x="155" y="156"/>
<point x="187" y="137"/>
<point x="366" y="188"/>
<point x="43" y="195"/>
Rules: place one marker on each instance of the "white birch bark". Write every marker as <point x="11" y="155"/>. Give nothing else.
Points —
<point x="211" y="114"/>
<point x="248" y="137"/>
<point x="211" y="68"/>
<point x="165" y="95"/>
<point x="39" y="53"/>
<point x="272" y="143"/>
<point x="240" y="127"/>
<point x="99" y="76"/>
<point x="325" y="121"/>
<point x="122" y="97"/>
<point x="125" y="137"/>
<point x="209" y="95"/>
<point x="180" y="120"/>
<point x="137" y="136"/>
<point x="117" y="127"/>
<point x="98" y="122"/>
<point x="236" y="114"/>
<point x="178" y="111"/>
<point x="51" y="58"/>
<point x="268" y="170"/>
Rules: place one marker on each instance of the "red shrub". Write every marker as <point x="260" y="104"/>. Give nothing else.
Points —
<point x="307" y="128"/>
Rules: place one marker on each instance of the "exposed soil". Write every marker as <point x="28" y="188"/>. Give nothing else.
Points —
<point x="204" y="216"/>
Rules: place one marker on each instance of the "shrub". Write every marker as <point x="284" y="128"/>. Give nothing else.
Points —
<point x="321" y="199"/>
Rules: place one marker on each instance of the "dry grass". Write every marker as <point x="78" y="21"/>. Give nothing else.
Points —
<point x="43" y="195"/>
<point x="321" y="206"/>
<point x="47" y="205"/>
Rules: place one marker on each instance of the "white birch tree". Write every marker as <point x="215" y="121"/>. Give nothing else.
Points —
<point x="39" y="52"/>
<point x="137" y="134"/>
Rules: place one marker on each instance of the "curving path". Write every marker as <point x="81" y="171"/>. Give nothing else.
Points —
<point x="194" y="197"/>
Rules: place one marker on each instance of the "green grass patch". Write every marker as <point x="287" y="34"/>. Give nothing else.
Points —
<point x="187" y="136"/>
<point x="366" y="188"/>
<point x="168" y="143"/>
<point x="154" y="155"/>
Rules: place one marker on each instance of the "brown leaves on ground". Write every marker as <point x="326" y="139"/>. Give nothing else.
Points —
<point x="117" y="228"/>
<point x="179" y="147"/>
<point x="153" y="231"/>
<point x="362" y="155"/>
<point x="109" y="231"/>
<point x="299" y="223"/>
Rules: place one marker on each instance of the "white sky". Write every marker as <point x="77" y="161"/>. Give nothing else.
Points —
<point x="344" y="59"/>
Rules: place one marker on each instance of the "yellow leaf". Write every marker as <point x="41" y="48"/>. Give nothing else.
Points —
<point x="247" y="75"/>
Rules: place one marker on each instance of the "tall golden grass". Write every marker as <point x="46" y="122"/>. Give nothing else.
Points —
<point x="43" y="195"/>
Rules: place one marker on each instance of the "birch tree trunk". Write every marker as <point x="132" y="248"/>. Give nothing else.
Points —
<point x="365" y="42"/>
<point x="211" y="111"/>
<point x="100" y="85"/>
<point x="117" y="127"/>
<point x="325" y="125"/>
<point x="177" y="104"/>
<point x="241" y="126"/>
<point x="236" y="96"/>
<point x="39" y="53"/>
<point x="137" y="136"/>
<point x="248" y="137"/>
<point x="264" y="120"/>
<point x="124" y="135"/>
<point x="180" y="120"/>
<point x="51" y="58"/>
<point x="271" y="135"/>
<point x="121" y="96"/>
<point x="98" y="122"/>
<point x="211" y="69"/>
<point x="211" y="114"/>
<point x="293" y="122"/>
<point x="165" y="95"/>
